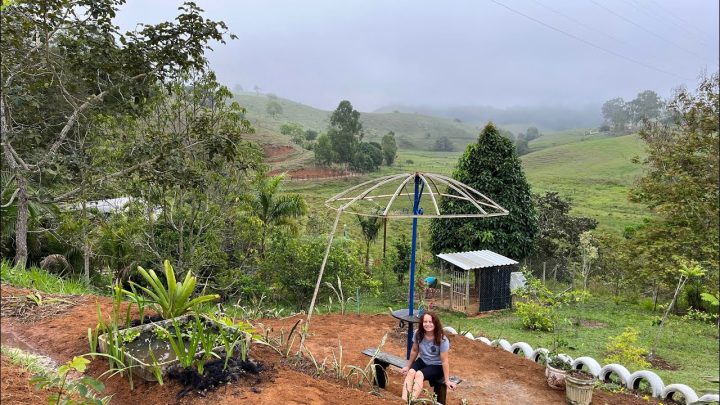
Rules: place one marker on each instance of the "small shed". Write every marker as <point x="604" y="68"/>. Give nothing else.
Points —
<point x="481" y="276"/>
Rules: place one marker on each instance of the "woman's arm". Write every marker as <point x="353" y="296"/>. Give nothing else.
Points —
<point x="413" y="356"/>
<point x="446" y="370"/>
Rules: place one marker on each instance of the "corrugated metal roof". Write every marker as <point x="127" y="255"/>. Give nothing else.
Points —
<point x="477" y="259"/>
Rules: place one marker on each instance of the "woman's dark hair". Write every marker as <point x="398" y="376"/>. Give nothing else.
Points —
<point x="438" y="331"/>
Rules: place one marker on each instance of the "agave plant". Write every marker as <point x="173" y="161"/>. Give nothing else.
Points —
<point x="173" y="300"/>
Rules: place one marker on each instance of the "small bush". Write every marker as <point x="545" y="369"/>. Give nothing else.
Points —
<point x="647" y="304"/>
<point x="535" y="316"/>
<point x="696" y="315"/>
<point x="622" y="349"/>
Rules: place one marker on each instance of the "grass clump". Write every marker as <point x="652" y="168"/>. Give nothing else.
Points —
<point x="41" y="280"/>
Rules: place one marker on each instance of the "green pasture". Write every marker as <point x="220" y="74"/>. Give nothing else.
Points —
<point x="595" y="173"/>
<point x="691" y="346"/>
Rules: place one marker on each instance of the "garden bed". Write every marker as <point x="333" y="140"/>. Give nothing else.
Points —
<point x="493" y="375"/>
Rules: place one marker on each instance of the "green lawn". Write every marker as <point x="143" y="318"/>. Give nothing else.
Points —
<point x="692" y="346"/>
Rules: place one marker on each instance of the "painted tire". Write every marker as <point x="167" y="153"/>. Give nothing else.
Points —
<point x="484" y="340"/>
<point x="450" y="330"/>
<point x="470" y="336"/>
<point x="541" y="355"/>
<point x="567" y="359"/>
<point x="502" y="343"/>
<point x="656" y="384"/>
<point x="523" y="347"/>
<point x="710" y="398"/>
<point x="687" y="392"/>
<point x="617" y="369"/>
<point x="592" y="365"/>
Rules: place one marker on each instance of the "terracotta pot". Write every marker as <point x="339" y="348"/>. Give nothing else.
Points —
<point x="555" y="377"/>
<point x="578" y="391"/>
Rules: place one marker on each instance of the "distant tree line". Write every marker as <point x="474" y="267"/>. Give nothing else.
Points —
<point x="621" y="116"/>
<point x="342" y="143"/>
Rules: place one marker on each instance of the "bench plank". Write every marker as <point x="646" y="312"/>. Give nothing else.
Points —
<point x="385" y="357"/>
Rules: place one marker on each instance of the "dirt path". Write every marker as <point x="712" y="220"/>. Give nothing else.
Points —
<point x="491" y="375"/>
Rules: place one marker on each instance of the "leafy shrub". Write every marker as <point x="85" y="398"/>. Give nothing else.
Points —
<point x="535" y="316"/>
<point x="697" y="315"/>
<point x="647" y="304"/>
<point x="623" y="349"/>
<point x="292" y="265"/>
<point x="539" y="310"/>
<point x="173" y="300"/>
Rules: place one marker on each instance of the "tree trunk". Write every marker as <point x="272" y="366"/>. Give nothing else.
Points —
<point x="681" y="284"/>
<point x="367" y="258"/>
<point x="86" y="262"/>
<point x="21" y="224"/>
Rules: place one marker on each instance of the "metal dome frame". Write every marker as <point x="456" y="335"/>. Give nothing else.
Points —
<point x="346" y="201"/>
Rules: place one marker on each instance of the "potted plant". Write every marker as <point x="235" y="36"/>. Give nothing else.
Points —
<point x="556" y="371"/>
<point x="579" y="386"/>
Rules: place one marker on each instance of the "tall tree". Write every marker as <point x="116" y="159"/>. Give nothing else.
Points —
<point x="558" y="236"/>
<point x="616" y="113"/>
<point x="389" y="148"/>
<point x="345" y="132"/>
<point x="680" y="184"/>
<point x="646" y="106"/>
<point x="272" y="208"/>
<point x="62" y="62"/>
<point x="323" y="150"/>
<point x="370" y="227"/>
<point x="492" y="167"/>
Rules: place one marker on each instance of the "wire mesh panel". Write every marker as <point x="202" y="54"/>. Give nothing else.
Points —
<point x="458" y="297"/>
<point x="494" y="292"/>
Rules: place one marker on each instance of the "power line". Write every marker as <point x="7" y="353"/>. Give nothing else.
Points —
<point x="629" y="21"/>
<point x="658" y="17"/>
<point x="670" y="13"/>
<point x="580" y="23"/>
<point x="590" y="43"/>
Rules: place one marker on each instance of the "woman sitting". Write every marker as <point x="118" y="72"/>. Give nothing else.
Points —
<point x="432" y="346"/>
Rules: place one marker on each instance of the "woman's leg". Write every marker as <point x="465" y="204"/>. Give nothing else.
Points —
<point x="408" y="384"/>
<point x="418" y="384"/>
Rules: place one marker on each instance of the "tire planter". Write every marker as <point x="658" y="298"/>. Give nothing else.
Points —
<point x="523" y="347"/>
<point x="656" y="384"/>
<point x="617" y="369"/>
<point x="578" y="391"/>
<point x="592" y="365"/>
<point x="687" y="393"/>
<point x="555" y="377"/>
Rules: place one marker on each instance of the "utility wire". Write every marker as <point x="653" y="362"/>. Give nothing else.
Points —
<point x="579" y="22"/>
<point x="629" y="21"/>
<point x="670" y="13"/>
<point x="657" y="17"/>
<point x="637" y="62"/>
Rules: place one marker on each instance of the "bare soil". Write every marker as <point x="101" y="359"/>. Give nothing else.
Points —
<point x="490" y="375"/>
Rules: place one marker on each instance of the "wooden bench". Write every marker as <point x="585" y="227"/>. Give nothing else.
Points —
<point x="382" y="360"/>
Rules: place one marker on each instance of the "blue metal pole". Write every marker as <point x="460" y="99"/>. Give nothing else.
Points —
<point x="419" y="186"/>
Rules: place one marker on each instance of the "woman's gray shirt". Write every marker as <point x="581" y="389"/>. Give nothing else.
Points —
<point x="430" y="352"/>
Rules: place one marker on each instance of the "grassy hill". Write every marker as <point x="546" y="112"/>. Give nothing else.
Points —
<point x="412" y="131"/>
<point x="596" y="173"/>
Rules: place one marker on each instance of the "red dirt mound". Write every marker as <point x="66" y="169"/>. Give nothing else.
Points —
<point x="491" y="375"/>
<point x="275" y="151"/>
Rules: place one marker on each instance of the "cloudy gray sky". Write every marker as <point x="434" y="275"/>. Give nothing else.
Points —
<point x="454" y="53"/>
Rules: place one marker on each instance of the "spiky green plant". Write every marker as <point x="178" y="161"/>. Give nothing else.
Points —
<point x="173" y="300"/>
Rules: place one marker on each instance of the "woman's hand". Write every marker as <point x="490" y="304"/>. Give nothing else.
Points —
<point x="450" y="384"/>
<point x="404" y="370"/>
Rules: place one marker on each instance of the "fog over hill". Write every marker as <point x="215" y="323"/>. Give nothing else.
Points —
<point x="544" y="117"/>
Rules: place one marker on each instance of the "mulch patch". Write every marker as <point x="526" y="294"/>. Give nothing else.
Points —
<point x="590" y="324"/>
<point x="661" y="364"/>
<point x="36" y="306"/>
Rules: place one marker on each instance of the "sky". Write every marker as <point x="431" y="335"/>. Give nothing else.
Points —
<point x="499" y="53"/>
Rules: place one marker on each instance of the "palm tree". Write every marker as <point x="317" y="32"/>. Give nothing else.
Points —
<point x="370" y="229"/>
<point x="273" y="208"/>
